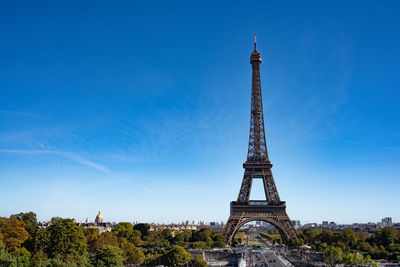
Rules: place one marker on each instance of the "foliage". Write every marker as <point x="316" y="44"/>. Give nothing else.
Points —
<point x="383" y="244"/>
<point x="30" y="221"/>
<point x="295" y="242"/>
<point x="197" y="261"/>
<point x="143" y="228"/>
<point x="350" y="238"/>
<point x="106" y="239"/>
<point x="333" y="255"/>
<point x="92" y="237"/>
<point x="66" y="240"/>
<point x="238" y="238"/>
<point x="199" y="245"/>
<point x="272" y="237"/>
<point x="132" y="254"/>
<point x="177" y="256"/>
<point x="7" y="259"/>
<point x="218" y="240"/>
<point x="109" y="256"/>
<point x="152" y="259"/>
<point x="125" y="230"/>
<point x="23" y="256"/>
<point x="13" y="232"/>
<point x="40" y="259"/>
<point x="204" y="234"/>
<point x="42" y="240"/>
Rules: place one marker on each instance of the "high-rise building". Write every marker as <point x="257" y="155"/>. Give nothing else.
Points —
<point x="387" y="222"/>
<point x="296" y="223"/>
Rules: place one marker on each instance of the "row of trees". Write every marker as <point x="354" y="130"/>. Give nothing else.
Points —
<point x="350" y="246"/>
<point x="64" y="243"/>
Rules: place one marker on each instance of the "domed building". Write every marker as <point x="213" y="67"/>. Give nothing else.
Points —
<point x="99" y="219"/>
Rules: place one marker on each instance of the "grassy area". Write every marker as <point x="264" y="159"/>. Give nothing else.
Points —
<point x="255" y="241"/>
<point x="272" y="237"/>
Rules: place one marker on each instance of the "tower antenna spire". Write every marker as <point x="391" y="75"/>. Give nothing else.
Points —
<point x="255" y="42"/>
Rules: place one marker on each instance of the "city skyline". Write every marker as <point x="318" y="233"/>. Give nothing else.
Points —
<point x="147" y="119"/>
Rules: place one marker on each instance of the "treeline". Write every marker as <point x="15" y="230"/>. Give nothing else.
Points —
<point x="64" y="243"/>
<point x="351" y="247"/>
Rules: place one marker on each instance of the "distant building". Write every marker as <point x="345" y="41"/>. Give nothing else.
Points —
<point x="387" y="222"/>
<point x="99" y="219"/>
<point x="325" y="223"/>
<point x="332" y="224"/>
<point x="296" y="223"/>
<point x="309" y="225"/>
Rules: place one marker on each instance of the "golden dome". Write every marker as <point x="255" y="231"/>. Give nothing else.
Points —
<point x="99" y="218"/>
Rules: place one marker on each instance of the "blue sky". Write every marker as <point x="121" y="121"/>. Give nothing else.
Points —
<point x="141" y="109"/>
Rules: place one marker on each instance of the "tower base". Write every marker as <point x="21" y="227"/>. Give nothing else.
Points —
<point x="256" y="210"/>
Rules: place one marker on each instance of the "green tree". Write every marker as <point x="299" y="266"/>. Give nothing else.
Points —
<point x="341" y="245"/>
<point x="13" y="232"/>
<point x="109" y="256"/>
<point x="106" y="239"/>
<point x="22" y="256"/>
<point x="54" y="219"/>
<point x="177" y="256"/>
<point x="295" y="242"/>
<point x="187" y="234"/>
<point x="358" y="258"/>
<point x="386" y="236"/>
<point x="238" y="237"/>
<point x="368" y="260"/>
<point x="155" y="241"/>
<point x="348" y="259"/>
<point x="42" y="240"/>
<point x="92" y="237"/>
<point x="7" y="259"/>
<point x="333" y="255"/>
<point x="204" y="234"/>
<point x="30" y="220"/>
<point x="198" y="262"/>
<point x="39" y="259"/>
<point x="350" y="238"/>
<point x="311" y="235"/>
<point x="62" y="262"/>
<point x="132" y="254"/>
<point x="199" y="245"/>
<point x="165" y="233"/>
<point x="218" y="240"/>
<point x="179" y="237"/>
<point x="66" y="240"/>
<point x="125" y="230"/>
<point x="143" y="228"/>
<point x="326" y="236"/>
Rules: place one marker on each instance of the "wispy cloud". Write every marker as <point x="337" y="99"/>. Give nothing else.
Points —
<point x="65" y="154"/>
<point x="18" y="113"/>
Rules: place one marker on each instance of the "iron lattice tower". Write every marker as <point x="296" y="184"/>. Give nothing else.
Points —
<point x="257" y="165"/>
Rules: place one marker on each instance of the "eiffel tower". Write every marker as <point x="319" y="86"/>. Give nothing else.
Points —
<point x="257" y="165"/>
